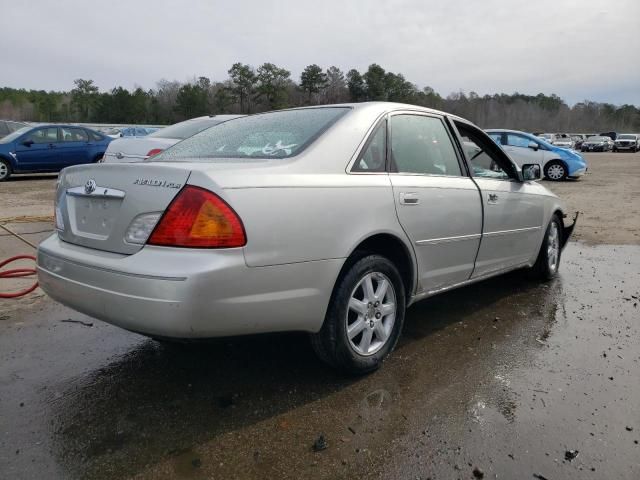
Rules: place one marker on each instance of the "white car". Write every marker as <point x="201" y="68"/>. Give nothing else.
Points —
<point x="557" y="163"/>
<point x="137" y="149"/>
<point x="565" y="142"/>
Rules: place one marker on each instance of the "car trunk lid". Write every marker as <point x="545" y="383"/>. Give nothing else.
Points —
<point x="97" y="203"/>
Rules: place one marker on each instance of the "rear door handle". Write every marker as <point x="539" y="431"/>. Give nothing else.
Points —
<point x="409" y="198"/>
<point x="492" y="198"/>
<point x="52" y="145"/>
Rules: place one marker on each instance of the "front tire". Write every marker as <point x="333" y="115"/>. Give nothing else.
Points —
<point x="365" y="317"/>
<point x="5" y="170"/>
<point x="555" y="171"/>
<point x="548" y="261"/>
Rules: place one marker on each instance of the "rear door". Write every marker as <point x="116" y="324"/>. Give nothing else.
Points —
<point x="437" y="203"/>
<point x="74" y="148"/>
<point x="513" y="213"/>
<point x="37" y="149"/>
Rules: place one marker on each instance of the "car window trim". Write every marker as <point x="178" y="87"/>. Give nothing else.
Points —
<point x="380" y="123"/>
<point x="463" y="172"/>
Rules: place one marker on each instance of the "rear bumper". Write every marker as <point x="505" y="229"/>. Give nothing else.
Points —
<point x="186" y="293"/>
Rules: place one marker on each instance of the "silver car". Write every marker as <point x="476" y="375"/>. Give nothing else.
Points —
<point x="329" y="220"/>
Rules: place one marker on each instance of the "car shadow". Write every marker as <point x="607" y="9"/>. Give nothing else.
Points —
<point x="159" y="400"/>
<point x="39" y="176"/>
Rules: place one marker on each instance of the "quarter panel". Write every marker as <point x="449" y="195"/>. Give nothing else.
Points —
<point x="322" y="221"/>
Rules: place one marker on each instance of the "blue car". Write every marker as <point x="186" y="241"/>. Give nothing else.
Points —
<point x="557" y="163"/>
<point x="49" y="148"/>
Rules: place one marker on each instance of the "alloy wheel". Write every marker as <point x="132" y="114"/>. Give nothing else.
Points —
<point x="371" y="313"/>
<point x="555" y="172"/>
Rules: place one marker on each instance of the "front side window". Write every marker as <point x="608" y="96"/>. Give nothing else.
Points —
<point x="420" y="144"/>
<point x="279" y="134"/>
<point x="373" y="157"/>
<point x="44" y="135"/>
<point x="515" y="140"/>
<point x="74" y="135"/>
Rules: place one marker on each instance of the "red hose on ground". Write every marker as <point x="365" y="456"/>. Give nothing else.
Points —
<point x="16" y="273"/>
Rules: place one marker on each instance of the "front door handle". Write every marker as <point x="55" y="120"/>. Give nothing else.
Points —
<point x="409" y="198"/>
<point x="52" y="145"/>
<point x="492" y="198"/>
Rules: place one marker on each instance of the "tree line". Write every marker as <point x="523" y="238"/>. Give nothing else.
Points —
<point x="250" y="90"/>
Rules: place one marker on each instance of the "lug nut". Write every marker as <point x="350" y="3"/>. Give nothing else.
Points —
<point x="378" y="315"/>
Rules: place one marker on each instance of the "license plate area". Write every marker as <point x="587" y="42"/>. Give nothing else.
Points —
<point x="93" y="217"/>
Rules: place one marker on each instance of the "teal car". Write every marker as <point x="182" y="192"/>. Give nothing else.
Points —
<point x="557" y="163"/>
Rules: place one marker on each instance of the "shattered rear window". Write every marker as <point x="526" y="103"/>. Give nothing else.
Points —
<point x="278" y="134"/>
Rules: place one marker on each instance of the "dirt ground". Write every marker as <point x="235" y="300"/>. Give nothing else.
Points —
<point x="607" y="197"/>
<point x="503" y="379"/>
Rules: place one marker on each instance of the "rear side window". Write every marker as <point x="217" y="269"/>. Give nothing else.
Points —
<point x="373" y="157"/>
<point x="74" y="135"/>
<point x="422" y="145"/>
<point x="280" y="134"/>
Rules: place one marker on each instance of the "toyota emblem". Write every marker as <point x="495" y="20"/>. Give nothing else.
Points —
<point x="90" y="186"/>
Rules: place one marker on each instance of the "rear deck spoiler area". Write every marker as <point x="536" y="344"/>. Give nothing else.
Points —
<point x="567" y="231"/>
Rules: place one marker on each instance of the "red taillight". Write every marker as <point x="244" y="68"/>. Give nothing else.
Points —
<point x="154" y="151"/>
<point x="198" y="218"/>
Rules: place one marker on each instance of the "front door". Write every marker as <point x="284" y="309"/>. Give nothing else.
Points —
<point x="513" y="214"/>
<point x="437" y="203"/>
<point x="36" y="150"/>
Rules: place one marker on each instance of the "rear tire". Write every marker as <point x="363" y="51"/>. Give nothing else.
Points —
<point x="5" y="170"/>
<point x="555" y="171"/>
<point x="548" y="261"/>
<point x="364" y="318"/>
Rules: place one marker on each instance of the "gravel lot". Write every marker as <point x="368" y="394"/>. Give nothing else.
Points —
<point x="504" y="379"/>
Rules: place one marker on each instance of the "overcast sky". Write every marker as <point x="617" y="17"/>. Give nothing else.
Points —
<point x="575" y="48"/>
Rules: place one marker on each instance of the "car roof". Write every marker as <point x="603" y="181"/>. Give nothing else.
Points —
<point x="380" y="108"/>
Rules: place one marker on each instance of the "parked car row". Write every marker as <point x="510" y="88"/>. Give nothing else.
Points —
<point x="594" y="142"/>
<point x="49" y="148"/>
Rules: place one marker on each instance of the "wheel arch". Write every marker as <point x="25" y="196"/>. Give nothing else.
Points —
<point x="9" y="160"/>
<point x="390" y="246"/>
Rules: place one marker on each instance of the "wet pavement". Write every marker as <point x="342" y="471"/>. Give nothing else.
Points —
<point x="508" y="378"/>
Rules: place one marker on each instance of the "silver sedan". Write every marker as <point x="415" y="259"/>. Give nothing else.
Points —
<point x="330" y="220"/>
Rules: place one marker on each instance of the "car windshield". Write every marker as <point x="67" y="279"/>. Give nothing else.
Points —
<point x="626" y="137"/>
<point x="12" y="136"/>
<point x="278" y="134"/>
<point x="598" y="139"/>
<point x="185" y="129"/>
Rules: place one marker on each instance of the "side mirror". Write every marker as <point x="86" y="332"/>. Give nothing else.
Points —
<point x="531" y="171"/>
<point x="533" y="146"/>
<point x="27" y="143"/>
